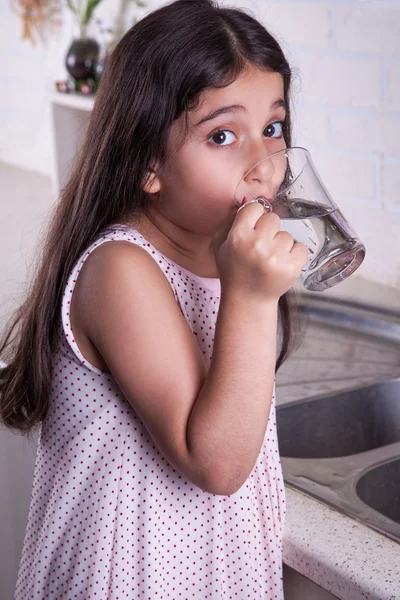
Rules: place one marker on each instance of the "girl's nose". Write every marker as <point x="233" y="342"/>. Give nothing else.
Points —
<point x="262" y="171"/>
<point x="260" y="178"/>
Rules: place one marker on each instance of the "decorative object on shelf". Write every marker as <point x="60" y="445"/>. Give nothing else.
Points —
<point x="64" y="87"/>
<point x="86" y="58"/>
<point x="39" y="18"/>
<point x="82" y="58"/>
<point x="86" y="88"/>
<point x="83" y="54"/>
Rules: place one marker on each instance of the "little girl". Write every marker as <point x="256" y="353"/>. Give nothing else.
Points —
<point x="147" y="347"/>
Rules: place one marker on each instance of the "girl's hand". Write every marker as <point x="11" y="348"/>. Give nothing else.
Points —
<point x="257" y="258"/>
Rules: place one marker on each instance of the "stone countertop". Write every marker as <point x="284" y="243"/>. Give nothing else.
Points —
<point x="343" y="556"/>
<point x="337" y="552"/>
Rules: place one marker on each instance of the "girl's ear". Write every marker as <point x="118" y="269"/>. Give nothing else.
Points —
<point x="152" y="184"/>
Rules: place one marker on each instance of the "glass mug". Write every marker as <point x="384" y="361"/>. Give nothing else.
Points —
<point x="287" y="183"/>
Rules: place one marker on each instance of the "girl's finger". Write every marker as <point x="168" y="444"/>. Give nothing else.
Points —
<point x="249" y="213"/>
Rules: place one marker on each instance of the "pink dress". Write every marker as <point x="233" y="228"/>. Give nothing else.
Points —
<point x="110" y="518"/>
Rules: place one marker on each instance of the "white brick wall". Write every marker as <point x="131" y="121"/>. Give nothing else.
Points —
<point x="367" y="26"/>
<point x="391" y="184"/>
<point x="346" y="58"/>
<point x="392" y="87"/>
<point x="333" y="80"/>
<point x="288" y="19"/>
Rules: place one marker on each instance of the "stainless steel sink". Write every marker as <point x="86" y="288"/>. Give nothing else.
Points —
<point x="380" y="489"/>
<point x="345" y="451"/>
<point x="348" y="423"/>
<point x="343" y="447"/>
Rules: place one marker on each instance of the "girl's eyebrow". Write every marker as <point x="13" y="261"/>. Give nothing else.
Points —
<point x="221" y="111"/>
<point x="234" y="107"/>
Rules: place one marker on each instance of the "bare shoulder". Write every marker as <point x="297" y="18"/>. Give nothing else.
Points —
<point x="110" y="260"/>
<point x="104" y="276"/>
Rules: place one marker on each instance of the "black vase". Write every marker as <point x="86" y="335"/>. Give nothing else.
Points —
<point x="82" y="58"/>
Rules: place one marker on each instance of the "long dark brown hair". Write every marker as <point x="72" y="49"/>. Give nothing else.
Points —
<point x="154" y="75"/>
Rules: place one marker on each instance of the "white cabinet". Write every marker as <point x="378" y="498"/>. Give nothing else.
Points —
<point x="70" y="115"/>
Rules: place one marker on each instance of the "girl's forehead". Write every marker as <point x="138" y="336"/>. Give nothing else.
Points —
<point x="248" y="89"/>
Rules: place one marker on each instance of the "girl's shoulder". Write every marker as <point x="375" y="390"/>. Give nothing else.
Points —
<point x="123" y="233"/>
<point x="103" y="273"/>
<point x="179" y="278"/>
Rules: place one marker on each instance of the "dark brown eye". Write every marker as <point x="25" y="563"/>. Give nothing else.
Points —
<point x="222" y="138"/>
<point x="219" y="137"/>
<point x="273" y="130"/>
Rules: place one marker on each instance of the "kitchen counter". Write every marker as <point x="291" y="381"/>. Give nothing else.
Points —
<point x="342" y="555"/>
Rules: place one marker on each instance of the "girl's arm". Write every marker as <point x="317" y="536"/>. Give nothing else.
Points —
<point x="227" y="423"/>
<point x="209" y="425"/>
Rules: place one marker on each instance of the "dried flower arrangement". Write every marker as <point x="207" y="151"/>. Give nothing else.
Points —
<point x="39" y="18"/>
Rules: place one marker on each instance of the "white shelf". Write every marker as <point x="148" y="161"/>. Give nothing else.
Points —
<point x="73" y="100"/>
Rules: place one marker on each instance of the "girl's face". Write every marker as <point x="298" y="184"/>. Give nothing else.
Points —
<point x="231" y="130"/>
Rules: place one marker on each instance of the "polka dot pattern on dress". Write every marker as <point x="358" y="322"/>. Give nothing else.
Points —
<point x="110" y="518"/>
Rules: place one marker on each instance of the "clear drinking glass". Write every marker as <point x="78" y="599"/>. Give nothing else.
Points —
<point x="288" y="183"/>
